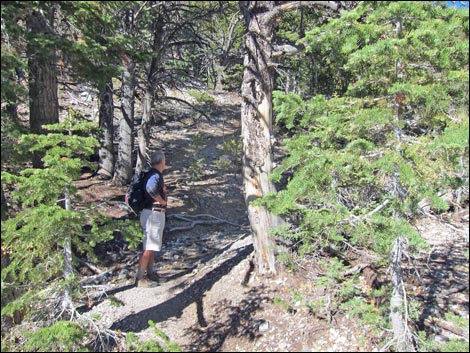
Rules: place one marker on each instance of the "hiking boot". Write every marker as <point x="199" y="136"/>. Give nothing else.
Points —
<point x="154" y="277"/>
<point x="146" y="283"/>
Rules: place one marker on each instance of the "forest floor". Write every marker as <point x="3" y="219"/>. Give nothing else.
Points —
<point x="209" y="297"/>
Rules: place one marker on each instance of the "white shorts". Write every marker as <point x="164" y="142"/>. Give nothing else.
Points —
<point x="152" y="223"/>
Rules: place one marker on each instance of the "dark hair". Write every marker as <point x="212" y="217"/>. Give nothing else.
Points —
<point x="157" y="158"/>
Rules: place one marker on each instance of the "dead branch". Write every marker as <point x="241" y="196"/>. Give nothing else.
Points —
<point x="190" y="219"/>
<point x="360" y="252"/>
<point x="447" y="224"/>
<point x="191" y="105"/>
<point x="100" y="277"/>
<point x="454" y="290"/>
<point x="357" y="268"/>
<point x="95" y="269"/>
<point x="432" y="322"/>
<point x="378" y="208"/>
<point x="192" y="225"/>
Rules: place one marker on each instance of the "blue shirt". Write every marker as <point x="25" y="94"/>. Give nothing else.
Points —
<point x="155" y="186"/>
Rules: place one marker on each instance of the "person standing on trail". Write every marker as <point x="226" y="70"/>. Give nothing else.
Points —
<point x="152" y="220"/>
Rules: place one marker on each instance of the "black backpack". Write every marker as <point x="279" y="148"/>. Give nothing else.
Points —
<point x="135" y="196"/>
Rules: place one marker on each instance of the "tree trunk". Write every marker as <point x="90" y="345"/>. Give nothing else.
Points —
<point x="4" y="206"/>
<point x="256" y="117"/>
<point x="43" y="101"/>
<point x="67" y="306"/>
<point x="123" y="171"/>
<point x="144" y="130"/>
<point x="107" y="158"/>
<point x="402" y="335"/>
<point x="149" y="97"/>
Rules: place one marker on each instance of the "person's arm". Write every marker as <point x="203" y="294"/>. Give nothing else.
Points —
<point x="160" y="200"/>
<point x="152" y="189"/>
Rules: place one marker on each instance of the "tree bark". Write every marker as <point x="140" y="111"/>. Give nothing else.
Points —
<point x="149" y="97"/>
<point x="67" y="306"/>
<point x="143" y="133"/>
<point x="398" y="307"/>
<point x="4" y="206"/>
<point x="123" y="171"/>
<point x="107" y="157"/>
<point x="43" y="100"/>
<point x="256" y="117"/>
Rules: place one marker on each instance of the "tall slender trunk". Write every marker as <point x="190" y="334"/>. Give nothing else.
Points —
<point x="123" y="170"/>
<point x="256" y="117"/>
<point x="107" y="158"/>
<point x="144" y="130"/>
<point x="67" y="305"/>
<point x="149" y="97"/>
<point x="4" y="206"/>
<point x="43" y="100"/>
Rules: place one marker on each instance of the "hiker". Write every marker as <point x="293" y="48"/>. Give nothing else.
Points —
<point x="152" y="219"/>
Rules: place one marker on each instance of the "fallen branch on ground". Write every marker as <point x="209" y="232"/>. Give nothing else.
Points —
<point x="357" y="268"/>
<point x="444" y="325"/>
<point x="99" y="277"/>
<point x="190" y="219"/>
<point x="95" y="269"/>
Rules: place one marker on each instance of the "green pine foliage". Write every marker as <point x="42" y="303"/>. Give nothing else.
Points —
<point x="388" y="130"/>
<point x="397" y="134"/>
<point x="62" y="336"/>
<point x="35" y="237"/>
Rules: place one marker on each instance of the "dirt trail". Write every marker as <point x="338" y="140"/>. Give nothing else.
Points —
<point x="209" y="298"/>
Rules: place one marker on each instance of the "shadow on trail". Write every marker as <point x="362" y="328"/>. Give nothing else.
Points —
<point x="228" y="321"/>
<point x="193" y="294"/>
<point x="446" y="282"/>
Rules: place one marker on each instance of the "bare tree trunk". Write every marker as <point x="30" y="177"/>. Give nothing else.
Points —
<point x="256" y="117"/>
<point x="143" y="133"/>
<point x="107" y="158"/>
<point x="67" y="305"/>
<point x="149" y="98"/>
<point x="398" y="307"/>
<point x="123" y="170"/>
<point x="43" y="101"/>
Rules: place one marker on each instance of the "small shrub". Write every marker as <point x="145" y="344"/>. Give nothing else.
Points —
<point x="287" y="260"/>
<point x="197" y="142"/>
<point x="62" y="336"/>
<point x="224" y="164"/>
<point x="197" y="169"/>
<point x="202" y="97"/>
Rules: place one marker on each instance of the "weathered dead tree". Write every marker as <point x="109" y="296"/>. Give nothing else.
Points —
<point x="256" y="117"/>
<point x="403" y="336"/>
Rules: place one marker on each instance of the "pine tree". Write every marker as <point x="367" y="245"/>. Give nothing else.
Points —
<point x="396" y="136"/>
<point x="387" y="140"/>
<point x="40" y="238"/>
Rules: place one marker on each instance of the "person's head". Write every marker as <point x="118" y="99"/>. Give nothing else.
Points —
<point x="157" y="161"/>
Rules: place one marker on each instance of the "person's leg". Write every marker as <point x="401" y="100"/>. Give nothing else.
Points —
<point x="150" y="265"/>
<point x="155" y="226"/>
<point x="146" y="254"/>
<point x="145" y="259"/>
